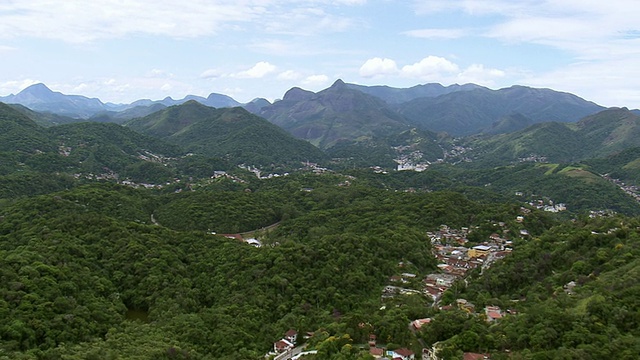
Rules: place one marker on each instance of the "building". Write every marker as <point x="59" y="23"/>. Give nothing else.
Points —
<point x="403" y="354"/>
<point x="478" y="251"/>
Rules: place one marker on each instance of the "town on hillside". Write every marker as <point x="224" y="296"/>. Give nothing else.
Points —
<point x="456" y="258"/>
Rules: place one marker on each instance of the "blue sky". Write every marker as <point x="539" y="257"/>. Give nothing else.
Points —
<point x="121" y="51"/>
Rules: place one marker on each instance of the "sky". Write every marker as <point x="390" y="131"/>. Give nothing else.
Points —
<point x="124" y="50"/>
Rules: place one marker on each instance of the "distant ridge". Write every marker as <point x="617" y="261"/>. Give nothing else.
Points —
<point x="39" y="97"/>
<point x="599" y="135"/>
<point x="19" y="133"/>
<point x="393" y="95"/>
<point x="470" y="112"/>
<point x="335" y="114"/>
<point x="230" y="133"/>
<point x="349" y="111"/>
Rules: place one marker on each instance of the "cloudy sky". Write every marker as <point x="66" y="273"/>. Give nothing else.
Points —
<point x="124" y="50"/>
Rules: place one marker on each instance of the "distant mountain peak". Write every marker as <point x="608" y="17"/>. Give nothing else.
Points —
<point x="339" y="84"/>
<point x="37" y="89"/>
<point x="297" y="94"/>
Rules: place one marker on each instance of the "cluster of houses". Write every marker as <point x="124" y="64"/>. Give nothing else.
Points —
<point x="457" y="153"/>
<point x="545" y="205"/>
<point x="288" y="342"/>
<point x="533" y="158"/>
<point x="456" y="260"/>
<point x="410" y="161"/>
<point x="631" y="190"/>
<point x="382" y="353"/>
<point x="251" y="241"/>
<point x="548" y="206"/>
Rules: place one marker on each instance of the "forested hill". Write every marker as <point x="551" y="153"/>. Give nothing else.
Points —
<point x="19" y="132"/>
<point x="108" y="271"/>
<point x="231" y="133"/>
<point x="470" y="112"/>
<point x="338" y="113"/>
<point x="118" y="244"/>
<point x="79" y="265"/>
<point x="595" y="136"/>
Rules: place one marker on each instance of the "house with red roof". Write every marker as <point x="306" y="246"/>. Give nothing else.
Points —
<point x="402" y="354"/>
<point x="376" y="352"/>
<point x="282" y="345"/>
<point x="291" y="336"/>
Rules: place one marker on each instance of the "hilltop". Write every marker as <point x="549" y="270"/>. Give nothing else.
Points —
<point x="232" y="133"/>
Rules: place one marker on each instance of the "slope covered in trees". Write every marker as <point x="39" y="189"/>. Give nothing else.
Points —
<point x="78" y="265"/>
<point x="233" y="133"/>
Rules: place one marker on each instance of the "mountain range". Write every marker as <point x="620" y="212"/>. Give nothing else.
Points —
<point x="336" y="114"/>
<point x="595" y="136"/>
<point x="324" y="117"/>
<point x="40" y="98"/>
<point x="361" y="125"/>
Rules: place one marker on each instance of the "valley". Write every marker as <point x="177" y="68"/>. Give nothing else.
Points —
<point x="352" y="223"/>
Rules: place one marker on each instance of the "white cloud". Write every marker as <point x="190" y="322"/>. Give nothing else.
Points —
<point x="15" y="86"/>
<point x="614" y="84"/>
<point x="6" y="49"/>
<point x="437" y="33"/>
<point x="577" y="26"/>
<point x="81" y="21"/>
<point x="433" y="69"/>
<point x="350" y="2"/>
<point x="378" y="67"/>
<point x="159" y="73"/>
<point x="211" y="74"/>
<point x="166" y="87"/>
<point x="259" y="70"/>
<point x="316" y="80"/>
<point x="430" y="68"/>
<point x="289" y="75"/>
<point x="308" y="21"/>
<point x="80" y="88"/>
<point x="478" y="74"/>
<point x="276" y="47"/>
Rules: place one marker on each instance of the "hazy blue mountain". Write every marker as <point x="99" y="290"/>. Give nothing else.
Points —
<point x="470" y="112"/>
<point x="213" y="100"/>
<point x="256" y="105"/>
<point x="45" y="119"/>
<point x="128" y="114"/>
<point x="336" y="114"/>
<point x="393" y="95"/>
<point x="39" y="97"/>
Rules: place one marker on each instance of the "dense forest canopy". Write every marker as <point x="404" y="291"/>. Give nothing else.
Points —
<point x="118" y="245"/>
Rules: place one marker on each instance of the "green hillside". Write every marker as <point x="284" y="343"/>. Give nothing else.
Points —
<point x="231" y="133"/>
<point x="336" y="114"/>
<point x="594" y="317"/>
<point x="43" y="118"/>
<point x="383" y="151"/>
<point x="471" y="112"/>
<point x="596" y="136"/>
<point x="19" y="133"/>
<point x="623" y="165"/>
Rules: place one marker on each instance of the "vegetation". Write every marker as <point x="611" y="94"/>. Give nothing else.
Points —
<point x="118" y="245"/>
<point x="233" y="134"/>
